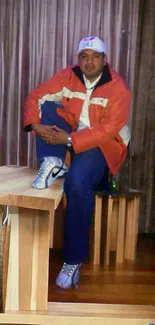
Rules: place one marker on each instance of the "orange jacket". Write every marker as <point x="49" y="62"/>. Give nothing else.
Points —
<point x="108" y="111"/>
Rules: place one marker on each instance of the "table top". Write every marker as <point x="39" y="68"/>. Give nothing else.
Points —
<point x="16" y="190"/>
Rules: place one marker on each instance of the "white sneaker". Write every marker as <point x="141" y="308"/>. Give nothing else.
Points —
<point x="50" y="169"/>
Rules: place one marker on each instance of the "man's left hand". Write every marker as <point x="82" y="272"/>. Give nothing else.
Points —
<point x="58" y="136"/>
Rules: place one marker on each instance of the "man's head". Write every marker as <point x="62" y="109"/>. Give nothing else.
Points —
<point x="92" y="58"/>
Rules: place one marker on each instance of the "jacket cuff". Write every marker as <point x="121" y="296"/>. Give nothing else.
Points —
<point x="83" y="140"/>
<point x="28" y="128"/>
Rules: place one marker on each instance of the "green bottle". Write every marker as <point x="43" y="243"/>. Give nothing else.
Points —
<point x="113" y="184"/>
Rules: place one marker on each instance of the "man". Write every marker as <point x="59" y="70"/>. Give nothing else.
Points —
<point x="91" y="120"/>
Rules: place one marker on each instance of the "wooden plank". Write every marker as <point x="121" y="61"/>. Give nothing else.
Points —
<point x="6" y="244"/>
<point x="34" y="199"/>
<point x="97" y="230"/>
<point x="16" y="190"/>
<point x="70" y="320"/>
<point x="43" y="238"/>
<point x="134" y="224"/>
<point x="114" y="226"/>
<point x="12" y="285"/>
<point x="73" y="313"/>
<point x="127" y="252"/>
<point x="52" y="217"/>
<point x="96" y="309"/>
<point x="108" y="234"/>
<point x="27" y="241"/>
<point x="27" y="280"/>
<point x="121" y="230"/>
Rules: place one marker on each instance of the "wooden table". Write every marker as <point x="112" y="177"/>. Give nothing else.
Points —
<point x="26" y="238"/>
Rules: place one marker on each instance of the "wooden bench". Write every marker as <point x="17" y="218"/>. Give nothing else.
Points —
<point x="27" y="235"/>
<point x="121" y="225"/>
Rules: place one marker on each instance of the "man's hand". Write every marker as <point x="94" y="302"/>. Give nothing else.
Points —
<point x="41" y="129"/>
<point x="54" y="135"/>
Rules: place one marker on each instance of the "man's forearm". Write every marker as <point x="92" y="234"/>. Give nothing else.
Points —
<point x="35" y="126"/>
<point x="31" y="127"/>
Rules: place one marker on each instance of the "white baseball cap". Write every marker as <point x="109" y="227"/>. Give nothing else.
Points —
<point x="93" y="43"/>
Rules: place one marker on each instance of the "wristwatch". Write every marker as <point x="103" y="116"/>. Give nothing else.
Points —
<point x="69" y="141"/>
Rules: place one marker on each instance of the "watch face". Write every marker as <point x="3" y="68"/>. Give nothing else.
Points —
<point x="69" y="141"/>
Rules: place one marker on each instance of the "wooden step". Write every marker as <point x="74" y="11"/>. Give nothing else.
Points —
<point x="75" y="313"/>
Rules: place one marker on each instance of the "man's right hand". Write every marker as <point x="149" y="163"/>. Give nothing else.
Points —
<point x="42" y="130"/>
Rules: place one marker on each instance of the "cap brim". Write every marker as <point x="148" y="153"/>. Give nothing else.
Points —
<point x="89" y="48"/>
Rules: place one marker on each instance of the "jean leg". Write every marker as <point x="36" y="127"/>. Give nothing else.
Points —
<point x="85" y="173"/>
<point x="50" y="117"/>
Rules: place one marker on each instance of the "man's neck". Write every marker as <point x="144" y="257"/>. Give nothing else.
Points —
<point x="91" y="83"/>
<point x="93" y="78"/>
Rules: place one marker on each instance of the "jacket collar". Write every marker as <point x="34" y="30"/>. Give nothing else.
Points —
<point x="106" y="75"/>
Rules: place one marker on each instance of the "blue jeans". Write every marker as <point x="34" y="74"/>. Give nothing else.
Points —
<point x="88" y="169"/>
<point x="50" y="117"/>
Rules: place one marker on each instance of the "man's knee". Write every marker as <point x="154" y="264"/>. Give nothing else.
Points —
<point x="49" y="112"/>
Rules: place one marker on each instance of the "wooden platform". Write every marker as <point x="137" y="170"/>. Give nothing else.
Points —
<point x="93" y="314"/>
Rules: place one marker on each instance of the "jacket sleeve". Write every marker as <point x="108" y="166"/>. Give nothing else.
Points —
<point x="116" y="116"/>
<point x="51" y="90"/>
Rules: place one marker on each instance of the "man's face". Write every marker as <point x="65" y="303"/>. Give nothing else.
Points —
<point x="91" y="63"/>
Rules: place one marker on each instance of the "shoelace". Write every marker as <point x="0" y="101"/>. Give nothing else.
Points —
<point x="68" y="269"/>
<point x="44" y="172"/>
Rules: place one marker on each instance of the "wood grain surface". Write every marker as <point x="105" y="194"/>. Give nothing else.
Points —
<point x="16" y="190"/>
